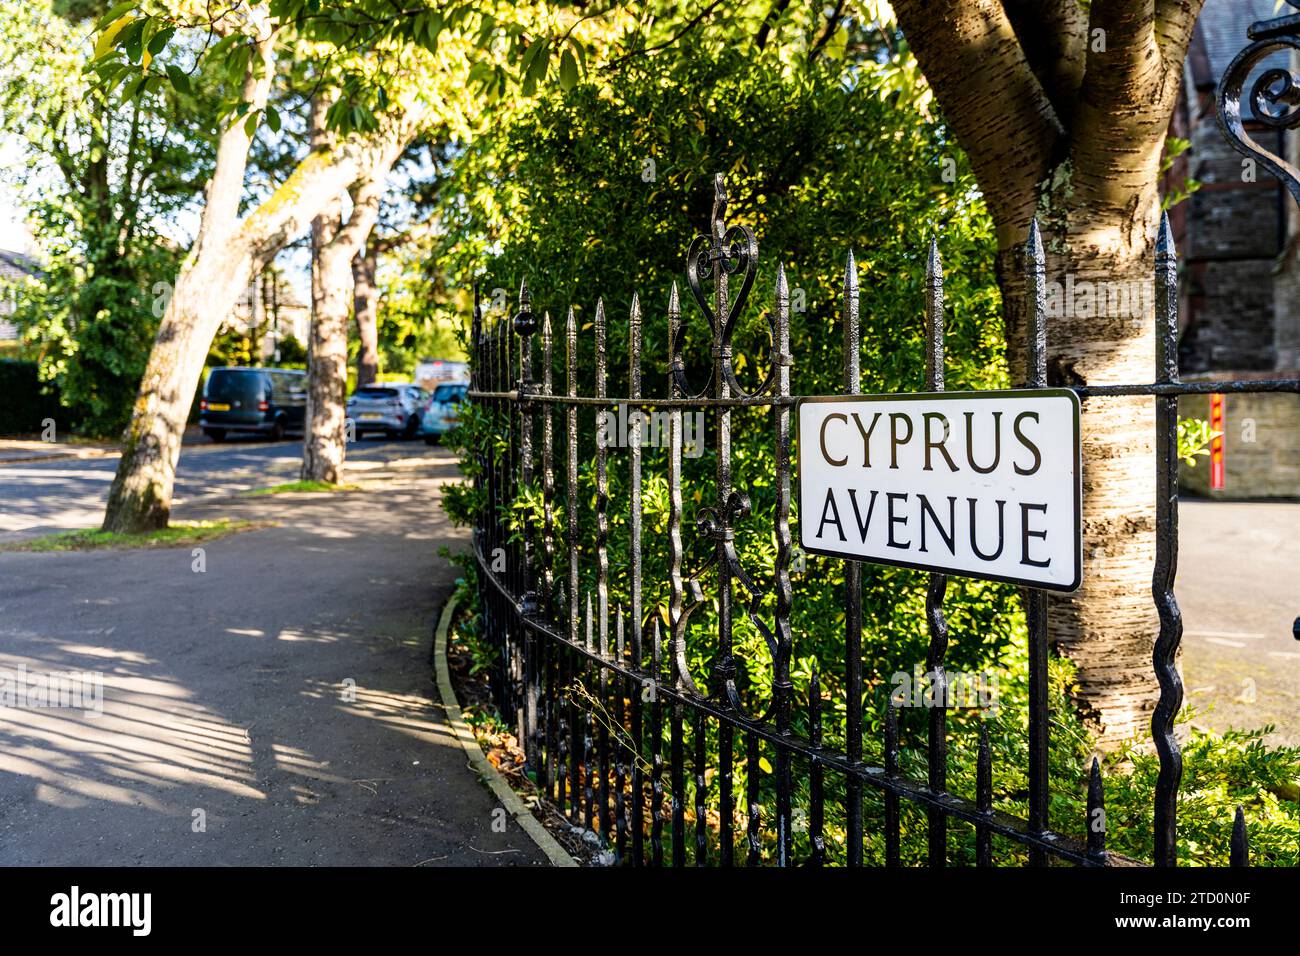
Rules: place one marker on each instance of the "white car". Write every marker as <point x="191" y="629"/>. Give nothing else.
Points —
<point x="393" y="408"/>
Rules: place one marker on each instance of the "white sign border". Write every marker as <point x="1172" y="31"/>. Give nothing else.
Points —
<point x="977" y="395"/>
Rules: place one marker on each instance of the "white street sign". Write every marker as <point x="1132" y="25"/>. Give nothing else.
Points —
<point x="981" y="484"/>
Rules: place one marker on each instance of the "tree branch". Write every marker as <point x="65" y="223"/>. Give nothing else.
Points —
<point x="324" y="172"/>
<point x="686" y="28"/>
<point x="832" y="24"/>
<point x="771" y="20"/>
<point x="1175" y="23"/>
<point x="367" y="194"/>
<point x="990" y="97"/>
<point x="1053" y="35"/>
<point x="1129" y="89"/>
<point x="1128" y="60"/>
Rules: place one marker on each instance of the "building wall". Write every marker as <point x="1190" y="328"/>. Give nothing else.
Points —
<point x="9" y="269"/>
<point x="1241" y="297"/>
<point x="1233" y="327"/>
<point x="1230" y="256"/>
<point x="1286" y="316"/>
<point x="1261" y="454"/>
<point x="1231" y="217"/>
<point x="1286" y="284"/>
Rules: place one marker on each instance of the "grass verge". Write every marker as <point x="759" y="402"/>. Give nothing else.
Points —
<point x="178" y="534"/>
<point x="301" y="486"/>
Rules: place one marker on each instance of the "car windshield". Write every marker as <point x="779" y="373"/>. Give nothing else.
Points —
<point x="448" y="393"/>
<point x="226" y="385"/>
<point x="371" y="392"/>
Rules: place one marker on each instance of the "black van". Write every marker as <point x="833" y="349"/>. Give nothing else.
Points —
<point x="267" y="401"/>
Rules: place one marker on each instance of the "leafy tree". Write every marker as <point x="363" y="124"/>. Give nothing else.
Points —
<point x="388" y="72"/>
<point x="102" y="179"/>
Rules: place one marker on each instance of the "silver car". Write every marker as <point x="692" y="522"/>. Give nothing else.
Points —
<point x="393" y="408"/>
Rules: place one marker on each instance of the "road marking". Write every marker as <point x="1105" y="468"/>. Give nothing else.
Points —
<point x="1248" y="635"/>
<point x="1225" y="642"/>
<point x="1283" y="654"/>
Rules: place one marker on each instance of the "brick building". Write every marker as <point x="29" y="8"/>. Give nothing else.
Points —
<point x="1237" y="238"/>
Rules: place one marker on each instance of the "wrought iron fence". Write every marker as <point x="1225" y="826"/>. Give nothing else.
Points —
<point x="611" y="720"/>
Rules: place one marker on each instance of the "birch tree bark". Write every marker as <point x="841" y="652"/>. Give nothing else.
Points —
<point x="1063" y="111"/>
<point x="365" y="306"/>
<point x="335" y="246"/>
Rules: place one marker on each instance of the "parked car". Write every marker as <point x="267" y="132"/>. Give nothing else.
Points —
<point x="394" y="408"/>
<point x="264" y="401"/>
<point x="442" y="414"/>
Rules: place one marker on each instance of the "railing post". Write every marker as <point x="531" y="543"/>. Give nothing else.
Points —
<point x="550" y="656"/>
<point x="525" y="324"/>
<point x="724" y="666"/>
<point x="1165" y="655"/>
<point x="853" y="595"/>
<point x="1035" y="599"/>
<point x="480" y="381"/>
<point x="937" y="822"/>
<point x="634" y="573"/>
<point x="676" y="608"/>
<point x="577" y="737"/>
<point x="782" y="688"/>
<point x="602" y="564"/>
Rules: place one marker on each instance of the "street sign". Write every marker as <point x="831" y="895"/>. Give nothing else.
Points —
<point x="980" y="484"/>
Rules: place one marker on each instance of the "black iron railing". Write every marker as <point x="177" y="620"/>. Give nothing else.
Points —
<point x="613" y="725"/>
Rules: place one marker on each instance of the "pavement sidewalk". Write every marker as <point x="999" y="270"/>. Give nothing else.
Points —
<point x="22" y="449"/>
<point x="275" y="708"/>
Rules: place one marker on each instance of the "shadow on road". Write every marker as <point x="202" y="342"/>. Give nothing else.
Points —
<point x="271" y="708"/>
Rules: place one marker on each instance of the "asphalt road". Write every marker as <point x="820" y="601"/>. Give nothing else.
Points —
<point x="37" y="497"/>
<point x="275" y="707"/>
<point x="1238" y="587"/>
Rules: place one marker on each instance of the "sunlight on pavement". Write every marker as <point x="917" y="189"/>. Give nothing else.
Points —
<point x="148" y="738"/>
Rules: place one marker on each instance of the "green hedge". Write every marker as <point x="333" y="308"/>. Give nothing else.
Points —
<point x="26" y="401"/>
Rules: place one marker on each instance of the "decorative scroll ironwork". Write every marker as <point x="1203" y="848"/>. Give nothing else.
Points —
<point x="1274" y="96"/>
<point x="726" y="252"/>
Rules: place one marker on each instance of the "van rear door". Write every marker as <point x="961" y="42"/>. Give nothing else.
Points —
<point x="233" y="395"/>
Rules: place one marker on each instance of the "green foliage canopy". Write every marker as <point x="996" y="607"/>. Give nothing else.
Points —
<point x="101" y="178"/>
<point x="598" y="192"/>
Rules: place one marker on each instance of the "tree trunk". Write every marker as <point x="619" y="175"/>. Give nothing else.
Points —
<point x="1100" y="332"/>
<point x="365" y="305"/>
<point x="334" y="248"/>
<point x="225" y="257"/>
<point x="1063" y="114"/>
<point x="213" y="274"/>
<point x="324" y="443"/>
